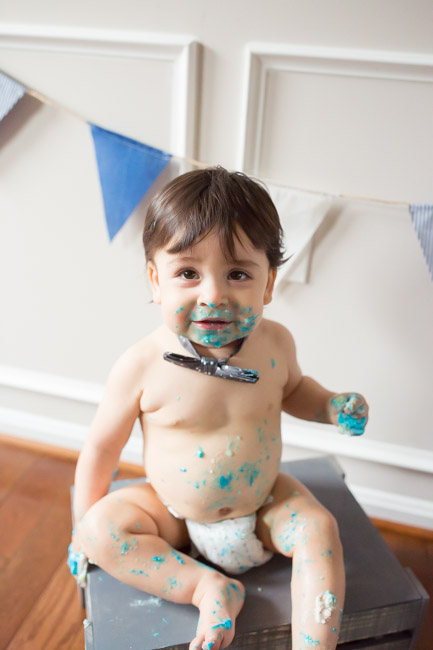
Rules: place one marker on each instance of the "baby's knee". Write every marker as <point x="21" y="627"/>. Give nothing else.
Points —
<point x="93" y="531"/>
<point x="112" y="525"/>
<point x="326" y="530"/>
<point x="313" y="526"/>
<point x="326" y="521"/>
<point x="99" y="528"/>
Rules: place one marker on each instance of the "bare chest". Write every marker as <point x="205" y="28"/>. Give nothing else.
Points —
<point x="182" y="398"/>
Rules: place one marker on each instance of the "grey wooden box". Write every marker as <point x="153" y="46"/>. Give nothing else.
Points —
<point x="384" y="608"/>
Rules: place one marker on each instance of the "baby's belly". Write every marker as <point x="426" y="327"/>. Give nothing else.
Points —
<point x="213" y="476"/>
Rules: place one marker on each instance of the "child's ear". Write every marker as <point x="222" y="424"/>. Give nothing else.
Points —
<point x="152" y="274"/>
<point x="270" y="286"/>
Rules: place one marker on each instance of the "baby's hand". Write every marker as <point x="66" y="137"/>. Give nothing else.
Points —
<point x="349" y="411"/>
<point x="77" y="562"/>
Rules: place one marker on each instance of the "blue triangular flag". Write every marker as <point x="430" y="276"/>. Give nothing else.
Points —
<point x="422" y="219"/>
<point x="127" y="170"/>
<point x="10" y="92"/>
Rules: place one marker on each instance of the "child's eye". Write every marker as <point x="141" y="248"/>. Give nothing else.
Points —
<point x="238" y="275"/>
<point x="188" y="274"/>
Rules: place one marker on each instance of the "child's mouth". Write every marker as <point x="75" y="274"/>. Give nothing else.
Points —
<point x="212" y="323"/>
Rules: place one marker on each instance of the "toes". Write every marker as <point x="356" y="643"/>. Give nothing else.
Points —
<point x="197" y="643"/>
<point x="200" y="643"/>
<point x="212" y="643"/>
<point x="215" y="642"/>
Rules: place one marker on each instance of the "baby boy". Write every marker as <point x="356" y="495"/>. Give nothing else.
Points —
<point x="208" y="387"/>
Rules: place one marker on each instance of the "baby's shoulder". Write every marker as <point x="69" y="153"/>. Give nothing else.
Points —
<point x="277" y="333"/>
<point x="135" y="361"/>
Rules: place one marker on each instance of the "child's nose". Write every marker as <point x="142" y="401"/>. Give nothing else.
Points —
<point x="212" y="294"/>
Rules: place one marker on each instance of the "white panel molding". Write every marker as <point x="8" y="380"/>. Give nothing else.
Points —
<point x="394" y="507"/>
<point x="60" y="433"/>
<point x="36" y="428"/>
<point x="323" y="438"/>
<point x="50" y="385"/>
<point x="183" y="52"/>
<point x="262" y="58"/>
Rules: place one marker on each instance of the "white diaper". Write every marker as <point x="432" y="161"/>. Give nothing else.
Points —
<point x="231" y="544"/>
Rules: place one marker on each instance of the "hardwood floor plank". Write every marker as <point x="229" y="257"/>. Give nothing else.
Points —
<point x="55" y="619"/>
<point x="403" y="529"/>
<point x="416" y="553"/>
<point x="26" y="504"/>
<point x="14" y="463"/>
<point x="35" y="530"/>
<point x="28" y="571"/>
<point x="78" y="642"/>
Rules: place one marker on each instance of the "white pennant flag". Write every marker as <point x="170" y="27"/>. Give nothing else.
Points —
<point x="10" y="92"/>
<point x="301" y="213"/>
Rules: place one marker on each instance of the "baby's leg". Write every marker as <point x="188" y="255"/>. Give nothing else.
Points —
<point x="298" y="526"/>
<point x="132" y="536"/>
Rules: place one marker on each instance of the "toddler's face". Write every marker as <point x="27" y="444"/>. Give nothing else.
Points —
<point x="210" y="299"/>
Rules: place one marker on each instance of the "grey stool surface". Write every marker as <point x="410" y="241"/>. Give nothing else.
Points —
<point x="384" y="606"/>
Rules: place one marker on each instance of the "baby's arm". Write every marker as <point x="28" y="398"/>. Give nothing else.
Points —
<point x="108" y="434"/>
<point x="306" y="399"/>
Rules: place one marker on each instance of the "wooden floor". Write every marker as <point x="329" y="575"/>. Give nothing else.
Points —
<point x="39" y="607"/>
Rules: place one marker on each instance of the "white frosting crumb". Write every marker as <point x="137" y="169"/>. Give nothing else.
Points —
<point x="325" y="605"/>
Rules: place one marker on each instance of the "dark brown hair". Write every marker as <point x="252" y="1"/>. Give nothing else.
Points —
<point x="193" y="204"/>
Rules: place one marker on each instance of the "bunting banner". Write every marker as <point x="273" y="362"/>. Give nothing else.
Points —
<point x="127" y="170"/>
<point x="422" y="219"/>
<point x="10" y="93"/>
<point x="301" y="213"/>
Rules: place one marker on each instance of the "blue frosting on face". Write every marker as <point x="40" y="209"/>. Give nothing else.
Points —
<point x="242" y="324"/>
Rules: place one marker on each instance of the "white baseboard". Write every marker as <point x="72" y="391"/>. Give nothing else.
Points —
<point x="324" y="438"/>
<point x="59" y="433"/>
<point x="394" y="507"/>
<point x="50" y="385"/>
<point x="377" y="503"/>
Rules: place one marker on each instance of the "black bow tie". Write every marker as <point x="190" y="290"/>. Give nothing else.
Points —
<point x="210" y="366"/>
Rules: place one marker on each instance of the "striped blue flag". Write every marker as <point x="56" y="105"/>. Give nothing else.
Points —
<point x="10" y="92"/>
<point x="422" y="219"/>
<point x="127" y="170"/>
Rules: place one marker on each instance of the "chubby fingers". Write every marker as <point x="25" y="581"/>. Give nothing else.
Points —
<point x="351" y="411"/>
<point x="77" y="563"/>
<point x="355" y="403"/>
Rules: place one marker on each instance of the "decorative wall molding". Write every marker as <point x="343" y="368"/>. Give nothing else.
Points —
<point x="183" y="52"/>
<point x="51" y="385"/>
<point x="262" y="58"/>
<point x="323" y="438"/>
<point x="394" y="507"/>
<point x="59" y="433"/>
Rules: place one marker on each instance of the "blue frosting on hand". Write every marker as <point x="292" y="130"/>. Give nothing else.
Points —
<point x="352" y="426"/>
<point x="77" y="563"/>
<point x="73" y="560"/>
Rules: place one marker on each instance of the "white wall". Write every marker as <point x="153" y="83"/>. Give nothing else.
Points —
<point x="334" y="96"/>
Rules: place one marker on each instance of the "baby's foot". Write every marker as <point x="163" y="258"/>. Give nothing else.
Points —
<point x="219" y="599"/>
